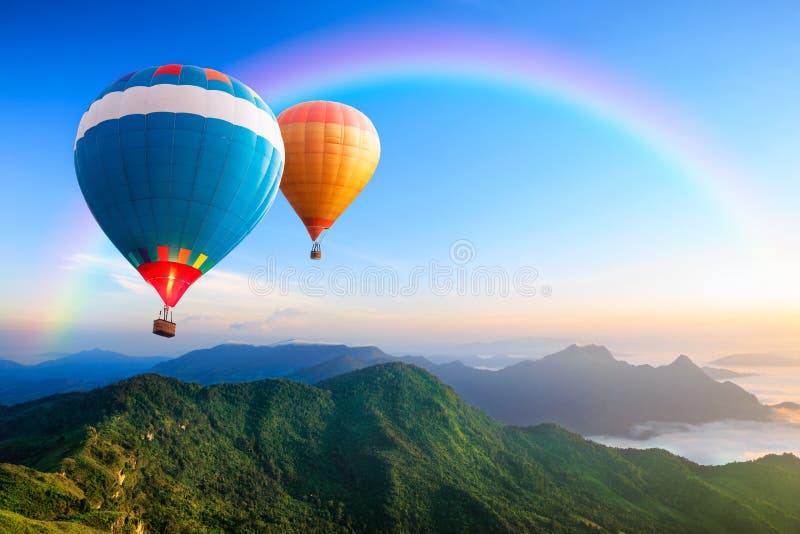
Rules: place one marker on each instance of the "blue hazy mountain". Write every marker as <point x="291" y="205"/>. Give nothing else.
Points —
<point x="77" y="372"/>
<point x="246" y="363"/>
<point x="589" y="391"/>
<point x="9" y="365"/>
<point x="336" y="366"/>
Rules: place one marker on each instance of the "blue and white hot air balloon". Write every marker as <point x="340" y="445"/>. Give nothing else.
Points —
<point x="178" y="164"/>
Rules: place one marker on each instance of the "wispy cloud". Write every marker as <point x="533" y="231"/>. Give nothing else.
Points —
<point x="202" y="317"/>
<point x="115" y="268"/>
<point x="132" y="284"/>
<point x="95" y="262"/>
<point x="789" y="414"/>
<point x="216" y="283"/>
<point x="280" y="315"/>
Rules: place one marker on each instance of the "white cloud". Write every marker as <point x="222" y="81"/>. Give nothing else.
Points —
<point x="713" y="443"/>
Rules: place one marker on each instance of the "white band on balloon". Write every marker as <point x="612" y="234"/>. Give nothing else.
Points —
<point x="213" y="104"/>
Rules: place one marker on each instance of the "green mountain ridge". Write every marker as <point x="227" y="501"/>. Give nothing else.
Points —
<point x="385" y="449"/>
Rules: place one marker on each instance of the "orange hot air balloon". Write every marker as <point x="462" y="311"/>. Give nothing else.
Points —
<point x="332" y="151"/>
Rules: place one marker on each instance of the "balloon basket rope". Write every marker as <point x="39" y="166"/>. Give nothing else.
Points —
<point x="316" y="251"/>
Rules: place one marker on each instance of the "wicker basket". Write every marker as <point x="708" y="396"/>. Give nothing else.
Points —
<point x="163" y="328"/>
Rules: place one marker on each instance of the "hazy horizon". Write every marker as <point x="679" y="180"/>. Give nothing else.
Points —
<point x="636" y="352"/>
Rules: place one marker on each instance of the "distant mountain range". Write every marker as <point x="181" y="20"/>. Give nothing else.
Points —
<point x="588" y="391"/>
<point x="383" y="449"/>
<point x="584" y="389"/>
<point x="758" y="360"/>
<point x="77" y="372"/>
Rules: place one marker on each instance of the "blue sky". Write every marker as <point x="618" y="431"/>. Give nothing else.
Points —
<point x="637" y="250"/>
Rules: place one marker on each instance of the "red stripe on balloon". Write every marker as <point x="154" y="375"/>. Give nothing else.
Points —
<point x="212" y="74"/>
<point x="326" y="112"/>
<point x="169" y="69"/>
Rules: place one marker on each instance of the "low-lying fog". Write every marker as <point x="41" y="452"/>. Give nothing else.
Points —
<point x="729" y="441"/>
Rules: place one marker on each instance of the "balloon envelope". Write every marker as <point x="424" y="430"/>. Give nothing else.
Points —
<point x="332" y="151"/>
<point x="178" y="164"/>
